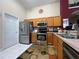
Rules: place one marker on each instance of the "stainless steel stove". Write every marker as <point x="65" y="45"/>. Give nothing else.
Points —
<point x="42" y="31"/>
<point x="41" y="36"/>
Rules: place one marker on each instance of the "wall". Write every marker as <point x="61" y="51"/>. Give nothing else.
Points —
<point x="49" y="10"/>
<point x="0" y="31"/>
<point x="0" y="5"/>
<point x="65" y="11"/>
<point x="14" y="8"/>
<point x="11" y="7"/>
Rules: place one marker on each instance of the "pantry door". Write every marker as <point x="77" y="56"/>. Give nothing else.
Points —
<point x="11" y="30"/>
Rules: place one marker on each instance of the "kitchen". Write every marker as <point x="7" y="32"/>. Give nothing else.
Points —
<point x="51" y="12"/>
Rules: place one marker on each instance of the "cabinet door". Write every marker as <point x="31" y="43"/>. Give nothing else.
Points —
<point x="60" y="49"/>
<point x="35" y="22"/>
<point x="55" y="43"/>
<point x="44" y="20"/>
<point x="39" y="20"/>
<point x="50" y="21"/>
<point x="34" y="37"/>
<point x="60" y="52"/>
<point x="50" y="38"/>
<point x="57" y="21"/>
<point x="58" y="44"/>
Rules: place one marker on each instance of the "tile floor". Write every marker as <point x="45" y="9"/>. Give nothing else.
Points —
<point x="35" y="52"/>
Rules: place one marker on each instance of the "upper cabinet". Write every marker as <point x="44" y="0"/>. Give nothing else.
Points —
<point x="49" y="38"/>
<point x="36" y="20"/>
<point x="57" y="21"/>
<point x="54" y="21"/>
<point x="51" y="21"/>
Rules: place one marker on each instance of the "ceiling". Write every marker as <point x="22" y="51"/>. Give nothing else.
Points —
<point x="35" y="3"/>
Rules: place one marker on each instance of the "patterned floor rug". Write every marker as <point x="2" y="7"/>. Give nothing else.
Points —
<point x="39" y="52"/>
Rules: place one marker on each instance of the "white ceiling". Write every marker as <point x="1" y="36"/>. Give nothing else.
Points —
<point x="35" y="3"/>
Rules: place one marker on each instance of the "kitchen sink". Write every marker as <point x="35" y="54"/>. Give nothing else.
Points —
<point x="68" y="36"/>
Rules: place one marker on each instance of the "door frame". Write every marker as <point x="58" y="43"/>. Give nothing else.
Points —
<point x="4" y="14"/>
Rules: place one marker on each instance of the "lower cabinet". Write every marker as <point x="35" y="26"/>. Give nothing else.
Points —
<point x="33" y="37"/>
<point x="58" y="44"/>
<point x="49" y="38"/>
<point x="60" y="49"/>
<point x="55" y="43"/>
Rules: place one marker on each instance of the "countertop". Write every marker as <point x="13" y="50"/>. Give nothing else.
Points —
<point x="14" y="52"/>
<point x="74" y="43"/>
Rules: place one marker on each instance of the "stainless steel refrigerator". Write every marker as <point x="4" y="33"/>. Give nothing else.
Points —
<point x="24" y="32"/>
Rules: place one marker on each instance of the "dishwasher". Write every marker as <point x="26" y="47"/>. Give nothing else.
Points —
<point x="69" y="52"/>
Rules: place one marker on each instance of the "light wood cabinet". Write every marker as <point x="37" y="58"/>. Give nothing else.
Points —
<point x="50" y="21"/>
<point x="36" y="20"/>
<point x="58" y="44"/>
<point x="49" y="38"/>
<point x="54" y="21"/>
<point x="57" y="21"/>
<point x="30" y="21"/>
<point x="55" y="43"/>
<point x="60" y="49"/>
<point x="45" y="20"/>
<point x="33" y="37"/>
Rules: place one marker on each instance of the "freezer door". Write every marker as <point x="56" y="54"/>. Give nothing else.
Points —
<point x="24" y="40"/>
<point x="24" y="33"/>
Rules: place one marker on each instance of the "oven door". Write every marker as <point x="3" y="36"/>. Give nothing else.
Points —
<point x="41" y="36"/>
<point x="42" y="29"/>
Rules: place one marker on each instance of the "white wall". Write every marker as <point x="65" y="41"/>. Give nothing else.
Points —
<point x="49" y="10"/>
<point x="0" y="31"/>
<point x="14" y="8"/>
<point x="0" y="5"/>
<point x="11" y="7"/>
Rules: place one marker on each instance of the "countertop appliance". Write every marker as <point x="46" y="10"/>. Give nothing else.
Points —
<point x="25" y="32"/>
